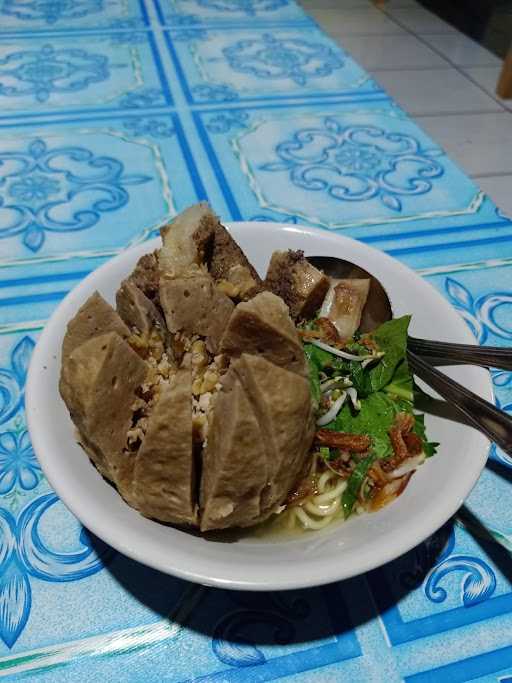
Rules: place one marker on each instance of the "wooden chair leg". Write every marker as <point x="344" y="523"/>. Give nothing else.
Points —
<point x="504" y="87"/>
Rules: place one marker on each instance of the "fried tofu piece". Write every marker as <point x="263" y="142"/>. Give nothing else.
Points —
<point x="301" y="286"/>
<point x="164" y="484"/>
<point x="263" y="326"/>
<point x="344" y="304"/>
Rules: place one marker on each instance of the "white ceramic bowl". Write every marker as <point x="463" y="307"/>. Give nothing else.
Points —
<point x="434" y="494"/>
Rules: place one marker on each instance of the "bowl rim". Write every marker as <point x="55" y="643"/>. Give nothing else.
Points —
<point x="328" y="573"/>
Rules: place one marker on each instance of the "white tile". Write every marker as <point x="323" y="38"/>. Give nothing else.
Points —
<point x="356" y="22"/>
<point x="419" y="20"/>
<point x="487" y="78"/>
<point x="461" y="50"/>
<point x="340" y="5"/>
<point x="479" y="143"/>
<point x="392" y="52"/>
<point x="436" y="91"/>
<point x="398" y="4"/>
<point x="499" y="189"/>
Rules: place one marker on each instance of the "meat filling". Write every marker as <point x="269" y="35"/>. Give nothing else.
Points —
<point x="150" y="347"/>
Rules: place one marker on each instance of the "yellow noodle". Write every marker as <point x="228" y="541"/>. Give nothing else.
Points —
<point x="330" y="494"/>
<point x="322" y="511"/>
<point x="324" y="478"/>
<point x="308" y="522"/>
<point x="319" y="509"/>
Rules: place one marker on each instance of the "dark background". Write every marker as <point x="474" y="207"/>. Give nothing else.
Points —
<point x="486" y="21"/>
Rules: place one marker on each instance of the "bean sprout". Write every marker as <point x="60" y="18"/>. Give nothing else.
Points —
<point x="344" y="354"/>
<point x="330" y="415"/>
<point x="352" y="393"/>
<point x="335" y="382"/>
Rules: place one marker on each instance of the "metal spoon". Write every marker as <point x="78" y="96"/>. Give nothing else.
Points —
<point x="482" y="415"/>
<point x="378" y="310"/>
<point x="494" y="423"/>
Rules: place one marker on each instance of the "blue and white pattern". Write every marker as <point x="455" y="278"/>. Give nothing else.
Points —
<point x="63" y="193"/>
<point x="18" y="464"/>
<point x="248" y="7"/>
<point x="13" y="375"/>
<point x="40" y="15"/>
<point x="269" y="120"/>
<point x="358" y="163"/>
<point x="51" y="12"/>
<point x="271" y="57"/>
<point x="41" y="72"/>
<point x="247" y="64"/>
<point x="25" y="554"/>
<point x="59" y="189"/>
<point x="75" y="72"/>
<point x="345" y="169"/>
<point x="229" y="12"/>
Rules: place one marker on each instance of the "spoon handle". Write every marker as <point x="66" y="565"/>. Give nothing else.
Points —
<point x="460" y="354"/>
<point x="494" y="423"/>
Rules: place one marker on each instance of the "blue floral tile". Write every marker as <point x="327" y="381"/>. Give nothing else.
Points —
<point x="80" y="73"/>
<point x="225" y="635"/>
<point x="41" y="15"/>
<point x="92" y="186"/>
<point x="46" y="556"/>
<point x="246" y="64"/>
<point x="277" y="123"/>
<point x="15" y="352"/>
<point x="496" y="662"/>
<point x="443" y="584"/>
<point x="189" y="13"/>
<point x="482" y="295"/>
<point x="334" y="166"/>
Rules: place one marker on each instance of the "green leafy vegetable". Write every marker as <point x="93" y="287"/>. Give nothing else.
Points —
<point x="429" y="447"/>
<point x="375" y="418"/>
<point x="318" y="357"/>
<point x="385" y="387"/>
<point x="354" y="483"/>
<point x="401" y="384"/>
<point x="391" y="338"/>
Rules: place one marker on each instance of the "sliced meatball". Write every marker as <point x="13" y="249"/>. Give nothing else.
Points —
<point x="95" y="317"/>
<point x="194" y="305"/>
<point x="263" y="326"/>
<point x="164" y="472"/>
<point x="137" y="310"/>
<point x="282" y="403"/>
<point x="98" y="384"/>
<point x="235" y="462"/>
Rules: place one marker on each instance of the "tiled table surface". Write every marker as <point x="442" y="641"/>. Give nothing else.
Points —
<point x="115" y="114"/>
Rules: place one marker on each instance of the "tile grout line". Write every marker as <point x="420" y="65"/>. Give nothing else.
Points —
<point x="499" y="174"/>
<point x="419" y="37"/>
<point x="478" y="112"/>
<point x="449" y="63"/>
